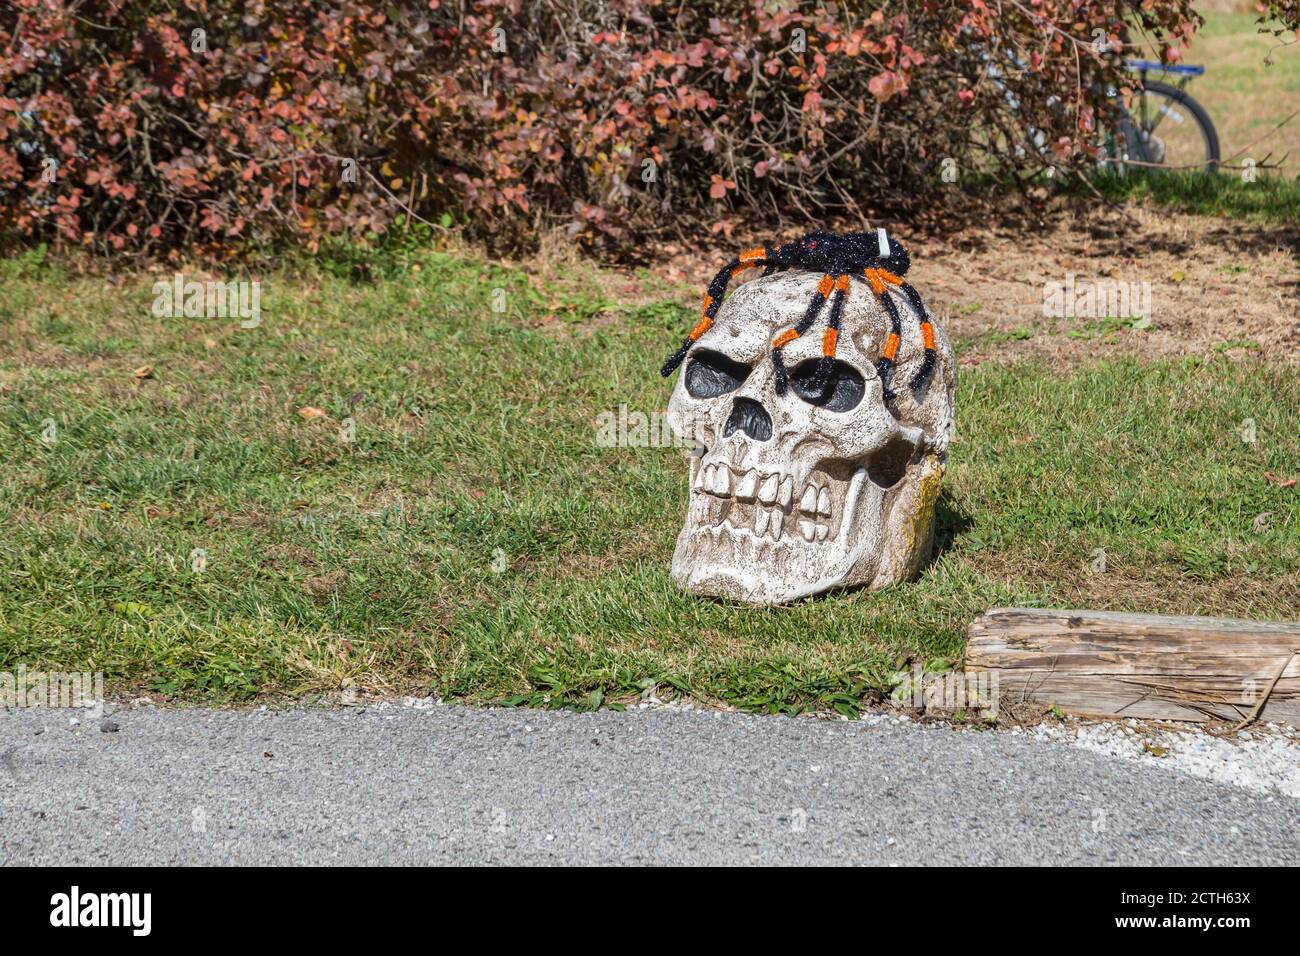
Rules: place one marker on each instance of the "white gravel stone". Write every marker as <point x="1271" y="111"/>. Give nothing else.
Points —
<point x="1265" y="761"/>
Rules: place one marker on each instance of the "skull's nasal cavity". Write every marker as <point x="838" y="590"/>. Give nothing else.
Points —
<point x="749" y="417"/>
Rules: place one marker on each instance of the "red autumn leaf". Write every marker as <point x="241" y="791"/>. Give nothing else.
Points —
<point x="884" y="86"/>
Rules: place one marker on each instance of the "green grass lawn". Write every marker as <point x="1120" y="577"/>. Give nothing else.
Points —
<point x="1269" y="199"/>
<point x="475" y="541"/>
<point x="1251" y="84"/>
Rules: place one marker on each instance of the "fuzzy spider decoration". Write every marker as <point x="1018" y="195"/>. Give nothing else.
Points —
<point x="861" y="255"/>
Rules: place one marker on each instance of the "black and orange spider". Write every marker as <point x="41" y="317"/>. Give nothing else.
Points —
<point x="871" y="257"/>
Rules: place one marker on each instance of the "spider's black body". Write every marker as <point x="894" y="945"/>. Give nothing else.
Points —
<point x="840" y="255"/>
<point x="870" y="257"/>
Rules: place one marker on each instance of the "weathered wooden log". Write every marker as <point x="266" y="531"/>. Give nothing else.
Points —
<point x="1101" y="663"/>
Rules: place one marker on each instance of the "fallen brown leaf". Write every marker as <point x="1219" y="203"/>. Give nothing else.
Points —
<point x="326" y="583"/>
<point x="311" y="411"/>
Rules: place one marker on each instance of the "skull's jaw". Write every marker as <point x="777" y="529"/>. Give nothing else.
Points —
<point x="775" y="554"/>
<point x="873" y="536"/>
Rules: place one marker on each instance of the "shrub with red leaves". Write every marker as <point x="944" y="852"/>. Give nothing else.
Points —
<point x="237" y="125"/>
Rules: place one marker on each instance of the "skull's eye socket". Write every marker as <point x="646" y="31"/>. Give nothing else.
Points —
<point x="710" y="374"/>
<point x="843" y="390"/>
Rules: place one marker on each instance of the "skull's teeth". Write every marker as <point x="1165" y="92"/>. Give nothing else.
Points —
<point x="767" y="523"/>
<point x="722" y="481"/>
<point x="771" y="498"/>
<point x="746" y="488"/>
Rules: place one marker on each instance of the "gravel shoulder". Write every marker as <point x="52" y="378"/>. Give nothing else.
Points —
<point x="436" y="784"/>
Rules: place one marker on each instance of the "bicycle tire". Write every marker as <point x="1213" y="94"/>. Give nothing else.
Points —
<point x="1209" y="134"/>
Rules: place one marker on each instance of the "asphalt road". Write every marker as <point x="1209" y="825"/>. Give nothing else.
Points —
<point x="468" y="786"/>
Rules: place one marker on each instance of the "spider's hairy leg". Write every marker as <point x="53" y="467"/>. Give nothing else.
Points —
<point x="777" y="257"/>
<point x="831" y="337"/>
<point x="748" y="259"/>
<point x="789" y="335"/>
<point x="889" y="355"/>
<point x="927" y="338"/>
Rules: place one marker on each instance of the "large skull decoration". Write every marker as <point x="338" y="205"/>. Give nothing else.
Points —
<point x="795" y="494"/>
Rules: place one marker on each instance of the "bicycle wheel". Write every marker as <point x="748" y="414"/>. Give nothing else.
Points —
<point x="1165" y="127"/>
